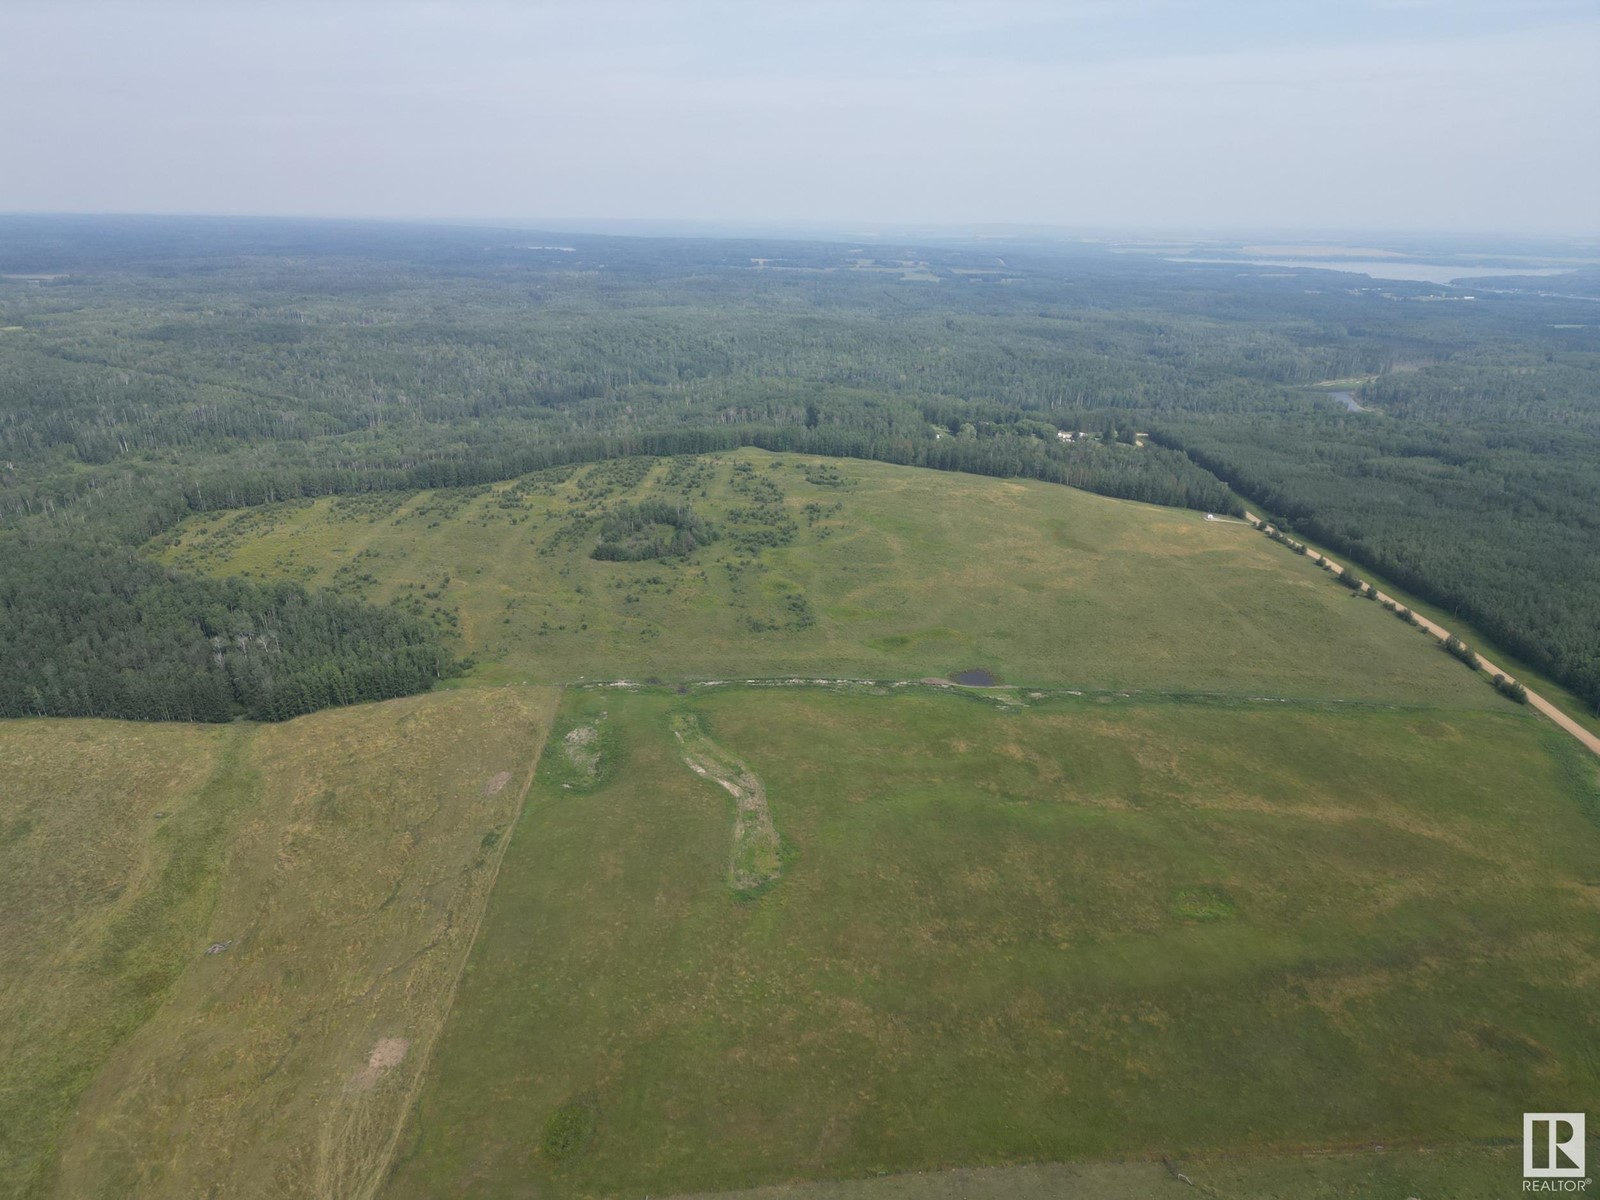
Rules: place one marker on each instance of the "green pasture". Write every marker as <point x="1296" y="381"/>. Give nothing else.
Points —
<point x="887" y="573"/>
<point x="335" y="867"/>
<point x="1049" y="929"/>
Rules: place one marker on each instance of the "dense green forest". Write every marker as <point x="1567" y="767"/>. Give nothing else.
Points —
<point x="152" y="368"/>
<point x="101" y="632"/>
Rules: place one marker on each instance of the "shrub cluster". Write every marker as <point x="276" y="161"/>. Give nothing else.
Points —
<point x="651" y="529"/>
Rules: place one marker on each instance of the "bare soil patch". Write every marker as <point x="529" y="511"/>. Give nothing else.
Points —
<point x="386" y="1055"/>
<point x="582" y="748"/>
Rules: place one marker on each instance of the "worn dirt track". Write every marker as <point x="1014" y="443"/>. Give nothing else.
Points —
<point x="1438" y="631"/>
<point x="756" y="858"/>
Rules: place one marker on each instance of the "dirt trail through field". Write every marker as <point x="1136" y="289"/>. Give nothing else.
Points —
<point x="756" y="858"/>
<point x="1438" y="631"/>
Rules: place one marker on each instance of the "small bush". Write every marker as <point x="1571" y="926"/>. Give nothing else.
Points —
<point x="1455" y="647"/>
<point x="569" y="1130"/>
<point x="1511" y="688"/>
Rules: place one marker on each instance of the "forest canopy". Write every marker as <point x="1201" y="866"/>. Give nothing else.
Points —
<point x="101" y="632"/>
<point x="154" y="368"/>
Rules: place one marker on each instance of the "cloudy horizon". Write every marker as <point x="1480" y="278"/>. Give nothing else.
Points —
<point x="1380" y="114"/>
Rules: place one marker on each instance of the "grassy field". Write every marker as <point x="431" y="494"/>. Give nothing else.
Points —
<point x="342" y="860"/>
<point x="1467" y="1173"/>
<point x="1552" y="691"/>
<point x="1051" y="929"/>
<point x="1241" y="867"/>
<point x="843" y="568"/>
<point x="110" y="834"/>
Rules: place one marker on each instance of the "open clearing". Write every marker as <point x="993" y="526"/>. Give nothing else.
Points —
<point x="110" y="835"/>
<point x="1088" y="929"/>
<point x="887" y="572"/>
<point x="1227" y="866"/>
<point x="334" y="867"/>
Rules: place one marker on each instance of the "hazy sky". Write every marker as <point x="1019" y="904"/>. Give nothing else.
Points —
<point x="1396" y="114"/>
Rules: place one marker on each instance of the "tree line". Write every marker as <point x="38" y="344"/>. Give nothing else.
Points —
<point x="101" y="632"/>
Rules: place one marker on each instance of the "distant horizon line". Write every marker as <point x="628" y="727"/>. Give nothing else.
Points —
<point x="845" y="229"/>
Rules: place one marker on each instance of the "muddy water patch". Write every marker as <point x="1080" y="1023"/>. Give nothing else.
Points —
<point x="976" y="677"/>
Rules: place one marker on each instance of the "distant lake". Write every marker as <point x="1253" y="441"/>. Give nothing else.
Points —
<point x="1418" y="272"/>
